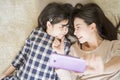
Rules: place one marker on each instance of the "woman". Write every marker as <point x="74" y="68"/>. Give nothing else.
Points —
<point x="97" y="43"/>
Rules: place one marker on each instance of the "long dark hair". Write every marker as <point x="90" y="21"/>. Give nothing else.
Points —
<point x="92" y="13"/>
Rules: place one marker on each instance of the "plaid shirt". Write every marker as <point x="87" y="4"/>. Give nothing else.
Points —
<point x="33" y="60"/>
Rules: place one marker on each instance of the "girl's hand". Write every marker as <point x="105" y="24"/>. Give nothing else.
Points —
<point x="58" y="45"/>
<point x="2" y="76"/>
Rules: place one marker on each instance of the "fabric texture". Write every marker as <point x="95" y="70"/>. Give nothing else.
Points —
<point x="33" y="60"/>
<point x="106" y="50"/>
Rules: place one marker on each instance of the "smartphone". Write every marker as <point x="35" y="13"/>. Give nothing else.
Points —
<point x="67" y="62"/>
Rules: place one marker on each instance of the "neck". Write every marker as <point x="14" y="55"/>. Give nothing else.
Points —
<point x="92" y="44"/>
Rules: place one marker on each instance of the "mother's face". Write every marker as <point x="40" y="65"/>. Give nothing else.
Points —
<point x="82" y="30"/>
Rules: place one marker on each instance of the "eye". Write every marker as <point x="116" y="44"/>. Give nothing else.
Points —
<point x="61" y="27"/>
<point x="77" y="28"/>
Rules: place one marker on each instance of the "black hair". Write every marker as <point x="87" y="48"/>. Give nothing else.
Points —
<point x="55" y="13"/>
<point x="92" y="13"/>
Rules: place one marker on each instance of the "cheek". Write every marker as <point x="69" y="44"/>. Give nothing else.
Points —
<point x="66" y="31"/>
<point x="56" y="32"/>
<point x="84" y="31"/>
<point x="79" y="31"/>
<point x="86" y="35"/>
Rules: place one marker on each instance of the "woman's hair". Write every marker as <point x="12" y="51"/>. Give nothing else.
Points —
<point x="92" y="13"/>
<point x="55" y="13"/>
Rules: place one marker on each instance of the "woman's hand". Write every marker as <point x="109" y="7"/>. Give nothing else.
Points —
<point x="58" y="45"/>
<point x="94" y="64"/>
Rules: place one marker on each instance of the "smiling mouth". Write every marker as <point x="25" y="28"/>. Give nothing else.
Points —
<point x="79" y="37"/>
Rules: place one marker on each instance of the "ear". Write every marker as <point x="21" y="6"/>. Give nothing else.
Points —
<point x="93" y="27"/>
<point x="48" y="24"/>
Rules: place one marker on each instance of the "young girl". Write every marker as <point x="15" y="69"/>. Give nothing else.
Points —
<point x="32" y="63"/>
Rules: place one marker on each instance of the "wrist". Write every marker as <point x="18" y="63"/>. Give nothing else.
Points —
<point x="2" y="76"/>
<point x="59" y="52"/>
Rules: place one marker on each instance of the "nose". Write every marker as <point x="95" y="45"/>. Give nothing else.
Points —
<point x="75" y="32"/>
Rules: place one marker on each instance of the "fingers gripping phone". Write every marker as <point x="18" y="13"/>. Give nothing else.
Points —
<point x="67" y="63"/>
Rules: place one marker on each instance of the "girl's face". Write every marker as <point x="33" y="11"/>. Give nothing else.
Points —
<point x="82" y="30"/>
<point x="60" y="29"/>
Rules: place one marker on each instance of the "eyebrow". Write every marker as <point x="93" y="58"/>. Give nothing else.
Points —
<point x="77" y="24"/>
<point x="66" y="25"/>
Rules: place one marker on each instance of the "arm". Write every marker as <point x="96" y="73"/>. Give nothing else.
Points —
<point x="113" y="65"/>
<point x="9" y="71"/>
<point x="95" y="65"/>
<point x="16" y="63"/>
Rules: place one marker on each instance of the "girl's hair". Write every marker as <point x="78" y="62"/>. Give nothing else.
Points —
<point x="55" y="13"/>
<point x="92" y="13"/>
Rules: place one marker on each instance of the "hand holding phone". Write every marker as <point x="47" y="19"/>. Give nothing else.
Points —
<point x="67" y="63"/>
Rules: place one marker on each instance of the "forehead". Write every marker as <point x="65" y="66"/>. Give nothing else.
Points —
<point x="78" y="20"/>
<point x="63" y="22"/>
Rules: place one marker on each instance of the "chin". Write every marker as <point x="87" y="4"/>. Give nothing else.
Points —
<point x="58" y="37"/>
<point x="82" y="41"/>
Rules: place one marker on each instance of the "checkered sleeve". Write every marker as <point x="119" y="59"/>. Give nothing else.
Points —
<point x="67" y="47"/>
<point x="24" y="52"/>
<point x="20" y="58"/>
